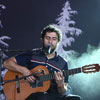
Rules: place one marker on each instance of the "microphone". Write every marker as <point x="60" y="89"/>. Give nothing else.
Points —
<point x="49" y="47"/>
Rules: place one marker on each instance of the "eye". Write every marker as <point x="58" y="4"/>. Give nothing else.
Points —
<point x="47" y="37"/>
<point x="54" y="38"/>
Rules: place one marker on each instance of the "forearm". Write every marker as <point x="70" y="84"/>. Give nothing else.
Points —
<point x="62" y="86"/>
<point x="62" y="89"/>
<point x="11" y="64"/>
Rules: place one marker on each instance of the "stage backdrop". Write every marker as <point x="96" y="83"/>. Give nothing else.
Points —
<point x="21" y="22"/>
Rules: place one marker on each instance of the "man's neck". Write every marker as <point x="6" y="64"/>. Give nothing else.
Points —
<point x="49" y="56"/>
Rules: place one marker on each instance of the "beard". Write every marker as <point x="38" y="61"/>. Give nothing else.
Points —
<point x="48" y="49"/>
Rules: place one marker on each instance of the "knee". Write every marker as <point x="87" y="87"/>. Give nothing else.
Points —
<point x="77" y="98"/>
<point x="74" y="97"/>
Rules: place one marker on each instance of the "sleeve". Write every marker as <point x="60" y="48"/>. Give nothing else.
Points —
<point x="24" y="58"/>
<point x="66" y="68"/>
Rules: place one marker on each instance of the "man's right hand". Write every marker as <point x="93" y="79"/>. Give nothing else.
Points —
<point x="27" y="72"/>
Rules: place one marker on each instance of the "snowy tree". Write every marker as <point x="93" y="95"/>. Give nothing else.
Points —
<point x="66" y="25"/>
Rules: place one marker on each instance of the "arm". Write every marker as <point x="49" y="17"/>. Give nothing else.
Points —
<point x="62" y="86"/>
<point x="62" y="89"/>
<point x="11" y="64"/>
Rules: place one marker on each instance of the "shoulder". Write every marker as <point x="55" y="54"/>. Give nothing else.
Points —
<point x="60" y="62"/>
<point x="60" y="58"/>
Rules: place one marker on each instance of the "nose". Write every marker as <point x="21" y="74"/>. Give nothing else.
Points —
<point x="50" y="40"/>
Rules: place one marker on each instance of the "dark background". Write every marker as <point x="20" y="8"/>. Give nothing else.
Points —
<point x="23" y="20"/>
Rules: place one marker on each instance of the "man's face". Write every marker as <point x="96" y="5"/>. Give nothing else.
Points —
<point x="50" y="38"/>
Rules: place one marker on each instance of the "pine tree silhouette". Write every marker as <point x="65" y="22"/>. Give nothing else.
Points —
<point x="66" y="24"/>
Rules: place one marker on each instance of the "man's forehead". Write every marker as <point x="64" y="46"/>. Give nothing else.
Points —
<point x="51" y="34"/>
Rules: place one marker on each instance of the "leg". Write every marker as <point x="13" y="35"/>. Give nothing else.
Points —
<point x="34" y="96"/>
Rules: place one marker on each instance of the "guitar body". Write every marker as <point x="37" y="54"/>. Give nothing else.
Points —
<point x="25" y="89"/>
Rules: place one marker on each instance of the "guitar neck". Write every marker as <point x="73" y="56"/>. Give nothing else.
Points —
<point x="65" y="73"/>
<point x="72" y="71"/>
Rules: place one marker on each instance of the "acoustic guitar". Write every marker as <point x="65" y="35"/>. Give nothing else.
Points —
<point x="17" y="88"/>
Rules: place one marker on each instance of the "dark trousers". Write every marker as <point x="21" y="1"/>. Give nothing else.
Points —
<point x="54" y="96"/>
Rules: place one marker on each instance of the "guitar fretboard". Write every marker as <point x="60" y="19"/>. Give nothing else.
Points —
<point x="65" y="73"/>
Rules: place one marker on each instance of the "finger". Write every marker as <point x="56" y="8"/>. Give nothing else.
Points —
<point x="60" y="76"/>
<point x="31" y="79"/>
<point x="56" y="75"/>
<point x="61" y="73"/>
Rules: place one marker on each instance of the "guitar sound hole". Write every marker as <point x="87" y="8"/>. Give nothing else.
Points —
<point x="37" y="83"/>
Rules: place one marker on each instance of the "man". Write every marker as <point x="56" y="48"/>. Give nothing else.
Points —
<point x="48" y="57"/>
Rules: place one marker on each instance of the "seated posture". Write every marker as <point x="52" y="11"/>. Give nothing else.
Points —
<point x="41" y="59"/>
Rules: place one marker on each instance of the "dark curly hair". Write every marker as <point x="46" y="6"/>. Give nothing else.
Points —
<point x="51" y="28"/>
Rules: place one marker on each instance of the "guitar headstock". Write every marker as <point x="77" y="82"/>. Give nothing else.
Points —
<point x="91" y="68"/>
